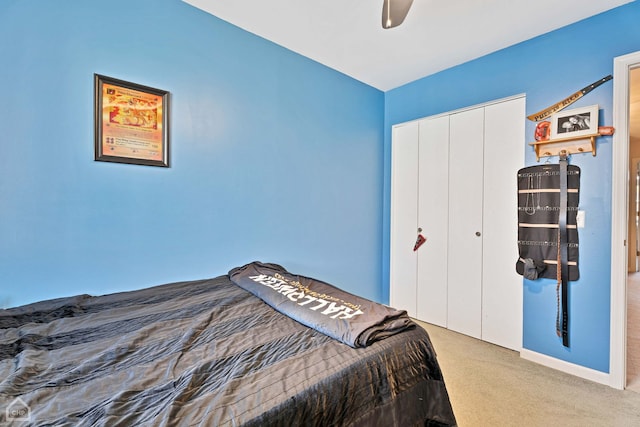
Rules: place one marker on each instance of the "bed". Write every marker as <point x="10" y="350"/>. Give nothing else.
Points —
<point x="213" y="353"/>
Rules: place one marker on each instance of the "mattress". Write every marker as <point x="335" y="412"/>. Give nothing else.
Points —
<point x="206" y="353"/>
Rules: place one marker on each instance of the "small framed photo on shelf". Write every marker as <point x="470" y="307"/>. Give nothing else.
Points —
<point x="575" y="122"/>
<point x="131" y="123"/>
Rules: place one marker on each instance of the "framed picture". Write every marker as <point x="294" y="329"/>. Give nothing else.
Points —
<point x="576" y="122"/>
<point x="131" y="123"/>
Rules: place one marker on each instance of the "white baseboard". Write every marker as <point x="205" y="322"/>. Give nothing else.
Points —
<point x="567" y="367"/>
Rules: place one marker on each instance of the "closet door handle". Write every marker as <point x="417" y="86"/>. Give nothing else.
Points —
<point x="478" y="234"/>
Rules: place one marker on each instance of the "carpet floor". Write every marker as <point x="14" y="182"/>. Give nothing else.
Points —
<point x="492" y="386"/>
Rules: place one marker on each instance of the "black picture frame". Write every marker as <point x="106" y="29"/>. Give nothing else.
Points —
<point x="131" y="122"/>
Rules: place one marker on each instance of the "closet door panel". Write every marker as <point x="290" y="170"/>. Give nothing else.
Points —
<point x="404" y="217"/>
<point x="502" y="286"/>
<point x="465" y="222"/>
<point x="433" y="199"/>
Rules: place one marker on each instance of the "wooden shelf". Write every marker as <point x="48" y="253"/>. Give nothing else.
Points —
<point x="570" y="145"/>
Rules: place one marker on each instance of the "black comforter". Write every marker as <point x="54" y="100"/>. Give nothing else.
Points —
<point x="205" y="353"/>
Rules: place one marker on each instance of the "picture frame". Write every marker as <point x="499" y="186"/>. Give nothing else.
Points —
<point x="575" y="122"/>
<point x="131" y="122"/>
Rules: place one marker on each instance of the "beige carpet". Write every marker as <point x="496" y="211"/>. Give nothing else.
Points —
<point x="492" y="386"/>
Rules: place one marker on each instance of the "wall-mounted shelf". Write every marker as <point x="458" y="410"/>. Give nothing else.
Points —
<point x="570" y="145"/>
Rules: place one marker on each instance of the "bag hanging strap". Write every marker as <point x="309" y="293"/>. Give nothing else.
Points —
<point x="562" y="328"/>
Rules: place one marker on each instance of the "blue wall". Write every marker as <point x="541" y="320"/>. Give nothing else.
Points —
<point x="274" y="156"/>
<point x="547" y="68"/>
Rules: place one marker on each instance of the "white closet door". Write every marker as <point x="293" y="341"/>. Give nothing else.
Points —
<point x="404" y="217"/>
<point x="502" y="286"/>
<point x="466" y="168"/>
<point x="433" y="198"/>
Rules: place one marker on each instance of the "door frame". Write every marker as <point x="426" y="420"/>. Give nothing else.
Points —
<point x="619" y="218"/>
<point x="634" y="183"/>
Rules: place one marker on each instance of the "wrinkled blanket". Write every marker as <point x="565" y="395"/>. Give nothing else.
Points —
<point x="205" y="353"/>
<point x="350" y="319"/>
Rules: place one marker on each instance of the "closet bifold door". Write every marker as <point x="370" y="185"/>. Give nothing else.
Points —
<point x="502" y="286"/>
<point x="466" y="168"/>
<point x="433" y="190"/>
<point x="404" y="217"/>
<point x="453" y="180"/>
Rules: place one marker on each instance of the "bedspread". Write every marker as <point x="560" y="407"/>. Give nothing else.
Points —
<point x="205" y="353"/>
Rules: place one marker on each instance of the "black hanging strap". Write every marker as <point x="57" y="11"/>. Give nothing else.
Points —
<point x="562" y="251"/>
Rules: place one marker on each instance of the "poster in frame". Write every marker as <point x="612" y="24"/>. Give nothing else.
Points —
<point x="131" y="123"/>
<point x="576" y="122"/>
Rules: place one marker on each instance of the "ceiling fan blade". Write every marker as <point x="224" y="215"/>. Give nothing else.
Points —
<point x="394" y="12"/>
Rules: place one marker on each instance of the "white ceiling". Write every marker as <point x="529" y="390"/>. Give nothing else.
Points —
<point x="347" y="35"/>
